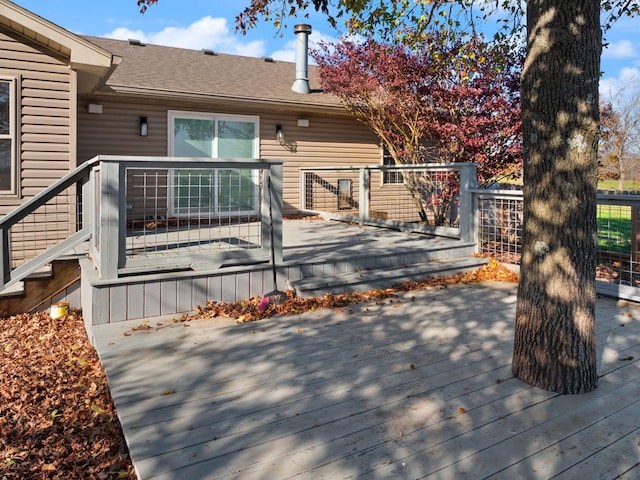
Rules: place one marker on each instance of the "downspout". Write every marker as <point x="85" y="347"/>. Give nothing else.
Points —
<point x="301" y="83"/>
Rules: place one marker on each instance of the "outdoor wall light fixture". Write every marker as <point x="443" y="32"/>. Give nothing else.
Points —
<point x="279" y="134"/>
<point x="144" y="127"/>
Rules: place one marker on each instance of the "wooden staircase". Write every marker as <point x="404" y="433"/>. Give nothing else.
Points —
<point x="39" y="288"/>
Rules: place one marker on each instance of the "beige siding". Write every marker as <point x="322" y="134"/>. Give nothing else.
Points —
<point x="45" y="106"/>
<point x="329" y="139"/>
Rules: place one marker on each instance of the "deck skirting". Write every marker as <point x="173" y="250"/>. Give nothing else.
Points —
<point x="178" y="293"/>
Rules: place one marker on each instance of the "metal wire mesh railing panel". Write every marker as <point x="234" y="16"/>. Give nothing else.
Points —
<point x="618" y="239"/>
<point x="193" y="211"/>
<point x="500" y="227"/>
<point x="45" y="227"/>
<point x="333" y="191"/>
<point x="409" y="195"/>
<point x="419" y="196"/>
<point x="618" y="234"/>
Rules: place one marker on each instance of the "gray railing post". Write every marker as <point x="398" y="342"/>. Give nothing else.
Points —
<point x="5" y="256"/>
<point x="274" y="203"/>
<point x="87" y="204"/>
<point x="468" y="211"/>
<point x="363" y="198"/>
<point x="112" y="241"/>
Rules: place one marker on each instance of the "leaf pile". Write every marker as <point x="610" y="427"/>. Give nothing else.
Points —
<point x="57" y="418"/>
<point x="254" y="308"/>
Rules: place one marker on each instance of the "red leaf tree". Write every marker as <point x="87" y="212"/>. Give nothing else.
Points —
<point x="451" y="101"/>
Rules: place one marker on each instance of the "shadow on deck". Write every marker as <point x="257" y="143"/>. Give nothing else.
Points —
<point x="419" y="387"/>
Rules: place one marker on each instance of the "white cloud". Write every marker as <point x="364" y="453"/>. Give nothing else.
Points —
<point x="615" y="89"/>
<point x="288" y="53"/>
<point x="621" y="49"/>
<point x="123" y="33"/>
<point x="208" y="32"/>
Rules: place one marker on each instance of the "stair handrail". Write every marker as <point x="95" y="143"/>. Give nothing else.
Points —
<point x="8" y="276"/>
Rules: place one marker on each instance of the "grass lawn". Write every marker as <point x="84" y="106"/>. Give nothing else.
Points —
<point x="614" y="228"/>
<point x="613" y="184"/>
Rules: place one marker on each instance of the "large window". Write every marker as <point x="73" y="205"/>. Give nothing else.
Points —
<point x="221" y="191"/>
<point x="7" y="136"/>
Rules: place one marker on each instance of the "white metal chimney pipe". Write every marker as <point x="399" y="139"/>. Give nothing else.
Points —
<point x="301" y="83"/>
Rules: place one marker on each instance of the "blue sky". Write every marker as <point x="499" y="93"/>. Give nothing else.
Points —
<point x="210" y="24"/>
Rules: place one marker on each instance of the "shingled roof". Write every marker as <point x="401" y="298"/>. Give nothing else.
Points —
<point x="176" y="72"/>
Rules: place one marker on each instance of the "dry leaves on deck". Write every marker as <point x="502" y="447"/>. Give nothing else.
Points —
<point x="256" y="308"/>
<point x="57" y="418"/>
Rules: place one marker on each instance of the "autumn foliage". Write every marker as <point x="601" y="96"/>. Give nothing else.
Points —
<point x="255" y="308"/>
<point x="57" y="418"/>
<point x="451" y="100"/>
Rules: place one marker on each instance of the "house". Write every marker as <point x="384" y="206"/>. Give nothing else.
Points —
<point x="65" y="99"/>
<point x="71" y="98"/>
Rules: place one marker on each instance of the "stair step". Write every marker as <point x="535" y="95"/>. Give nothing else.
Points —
<point x="38" y="287"/>
<point x="364" y="280"/>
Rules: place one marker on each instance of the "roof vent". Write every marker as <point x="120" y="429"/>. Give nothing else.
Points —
<point x="135" y="41"/>
<point x="268" y="59"/>
<point x="301" y="83"/>
<point x="208" y="51"/>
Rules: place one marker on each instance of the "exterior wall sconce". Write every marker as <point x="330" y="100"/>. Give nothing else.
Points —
<point x="144" y="127"/>
<point x="280" y="134"/>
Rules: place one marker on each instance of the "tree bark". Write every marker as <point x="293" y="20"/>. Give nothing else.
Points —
<point x="554" y="345"/>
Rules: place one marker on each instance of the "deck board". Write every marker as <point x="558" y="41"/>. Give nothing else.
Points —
<point x="419" y="387"/>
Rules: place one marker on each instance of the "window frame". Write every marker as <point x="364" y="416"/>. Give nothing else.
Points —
<point x="172" y="115"/>
<point x="12" y="136"/>
<point x="390" y="178"/>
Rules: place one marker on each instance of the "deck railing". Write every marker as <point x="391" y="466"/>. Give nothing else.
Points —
<point x="150" y="214"/>
<point x="429" y="198"/>
<point x="167" y="214"/>
<point x="45" y="226"/>
<point x="618" y="221"/>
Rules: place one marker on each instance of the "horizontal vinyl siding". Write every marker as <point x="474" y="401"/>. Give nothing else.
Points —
<point x="329" y="139"/>
<point x="45" y="107"/>
<point x="116" y="131"/>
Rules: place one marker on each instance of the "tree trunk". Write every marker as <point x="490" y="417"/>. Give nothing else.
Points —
<point x="621" y="180"/>
<point x="554" y="346"/>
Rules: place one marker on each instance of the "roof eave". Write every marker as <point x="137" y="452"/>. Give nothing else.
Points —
<point x="282" y="103"/>
<point x="82" y="54"/>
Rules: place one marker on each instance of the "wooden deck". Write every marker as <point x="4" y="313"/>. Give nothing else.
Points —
<point x="415" y="388"/>
<point x="310" y="249"/>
